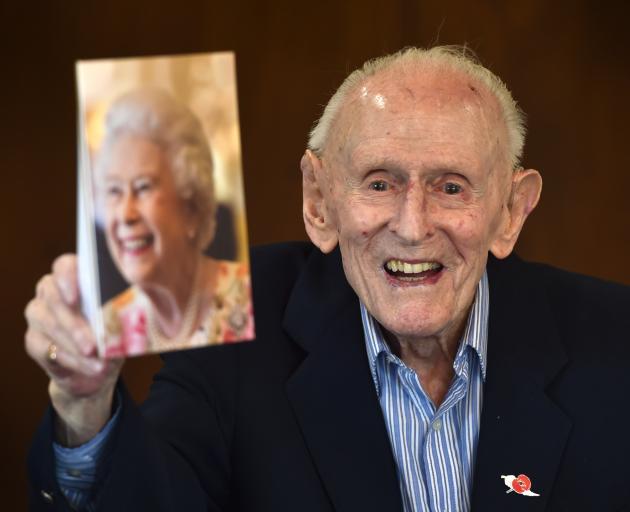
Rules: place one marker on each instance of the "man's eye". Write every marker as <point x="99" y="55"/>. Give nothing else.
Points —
<point x="452" y="188"/>
<point x="379" y="186"/>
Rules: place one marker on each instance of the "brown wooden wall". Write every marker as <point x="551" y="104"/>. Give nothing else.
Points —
<point x="565" y="60"/>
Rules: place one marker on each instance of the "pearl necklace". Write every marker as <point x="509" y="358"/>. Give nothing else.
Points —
<point x="157" y="339"/>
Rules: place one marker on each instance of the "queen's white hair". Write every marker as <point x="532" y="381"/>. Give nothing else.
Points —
<point x="156" y="115"/>
<point x="454" y="58"/>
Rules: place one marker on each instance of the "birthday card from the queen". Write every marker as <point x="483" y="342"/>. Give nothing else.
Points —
<point x="162" y="235"/>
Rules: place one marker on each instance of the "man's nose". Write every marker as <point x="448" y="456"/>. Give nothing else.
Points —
<point x="413" y="220"/>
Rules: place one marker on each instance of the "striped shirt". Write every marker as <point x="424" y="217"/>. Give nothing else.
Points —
<point x="434" y="450"/>
<point x="76" y="467"/>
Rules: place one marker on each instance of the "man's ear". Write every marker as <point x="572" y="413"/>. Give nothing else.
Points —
<point x="318" y="219"/>
<point x="526" y="188"/>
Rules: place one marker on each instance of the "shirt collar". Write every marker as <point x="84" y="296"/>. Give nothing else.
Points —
<point x="475" y="335"/>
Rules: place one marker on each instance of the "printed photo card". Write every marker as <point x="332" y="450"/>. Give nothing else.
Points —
<point x="162" y="233"/>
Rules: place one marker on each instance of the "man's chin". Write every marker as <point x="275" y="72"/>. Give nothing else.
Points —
<point x="413" y="324"/>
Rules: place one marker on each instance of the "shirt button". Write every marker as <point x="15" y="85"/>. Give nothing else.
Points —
<point x="48" y="497"/>
<point x="437" y="424"/>
<point x="76" y="473"/>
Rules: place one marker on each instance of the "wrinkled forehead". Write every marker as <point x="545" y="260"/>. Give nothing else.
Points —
<point x="437" y="105"/>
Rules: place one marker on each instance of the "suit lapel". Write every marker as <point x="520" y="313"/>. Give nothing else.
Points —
<point x="333" y="395"/>
<point x="522" y="430"/>
<point x="335" y="404"/>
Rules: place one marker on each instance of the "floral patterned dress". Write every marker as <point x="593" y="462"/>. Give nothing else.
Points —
<point x="229" y="317"/>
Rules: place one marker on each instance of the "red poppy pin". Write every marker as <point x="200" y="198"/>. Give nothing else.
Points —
<point x="520" y="484"/>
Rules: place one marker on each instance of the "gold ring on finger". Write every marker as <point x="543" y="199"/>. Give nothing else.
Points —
<point x="52" y="353"/>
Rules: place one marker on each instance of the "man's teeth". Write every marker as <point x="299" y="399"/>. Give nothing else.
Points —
<point x="410" y="268"/>
<point x="135" y="244"/>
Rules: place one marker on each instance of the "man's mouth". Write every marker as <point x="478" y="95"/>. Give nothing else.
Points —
<point x="407" y="271"/>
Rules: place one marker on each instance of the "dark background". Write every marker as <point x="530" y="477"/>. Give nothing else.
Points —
<point x="565" y="61"/>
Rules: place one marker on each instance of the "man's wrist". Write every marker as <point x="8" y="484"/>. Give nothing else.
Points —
<point x="78" y="469"/>
<point x="79" y="419"/>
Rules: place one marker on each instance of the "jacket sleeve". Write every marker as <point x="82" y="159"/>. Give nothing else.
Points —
<point x="171" y="454"/>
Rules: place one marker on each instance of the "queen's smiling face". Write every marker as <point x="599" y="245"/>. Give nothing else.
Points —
<point x="146" y="222"/>
<point x="415" y="189"/>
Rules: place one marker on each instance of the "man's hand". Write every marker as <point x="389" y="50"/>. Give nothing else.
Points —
<point x="60" y="340"/>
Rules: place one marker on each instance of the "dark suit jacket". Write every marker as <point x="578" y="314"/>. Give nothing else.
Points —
<point x="291" y="422"/>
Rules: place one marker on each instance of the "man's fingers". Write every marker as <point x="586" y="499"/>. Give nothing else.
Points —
<point x="67" y="343"/>
<point x="69" y="332"/>
<point x="54" y="323"/>
<point x="65" y="273"/>
<point x="42" y="287"/>
<point x="53" y="315"/>
<point x="58" y="327"/>
<point x="38" y="346"/>
<point x="72" y="325"/>
<point x="76" y="363"/>
<point x="60" y="340"/>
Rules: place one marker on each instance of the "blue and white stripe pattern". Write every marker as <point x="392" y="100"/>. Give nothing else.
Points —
<point x="76" y="467"/>
<point x="434" y="449"/>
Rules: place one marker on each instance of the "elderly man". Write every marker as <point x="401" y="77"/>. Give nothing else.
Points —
<point x="397" y="368"/>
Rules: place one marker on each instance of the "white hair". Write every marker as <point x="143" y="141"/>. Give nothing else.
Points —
<point x="156" y="115"/>
<point x="454" y="58"/>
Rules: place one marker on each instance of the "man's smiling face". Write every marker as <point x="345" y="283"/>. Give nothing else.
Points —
<point x="418" y="192"/>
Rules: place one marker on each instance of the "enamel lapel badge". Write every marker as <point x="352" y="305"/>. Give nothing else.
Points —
<point x="520" y="484"/>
